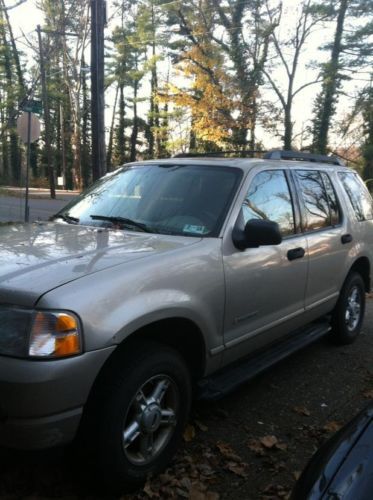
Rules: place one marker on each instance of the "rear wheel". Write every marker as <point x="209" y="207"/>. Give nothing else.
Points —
<point x="139" y="414"/>
<point x="348" y="314"/>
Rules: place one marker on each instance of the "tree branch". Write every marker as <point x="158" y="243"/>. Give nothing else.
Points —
<point x="306" y="85"/>
<point x="20" y="2"/>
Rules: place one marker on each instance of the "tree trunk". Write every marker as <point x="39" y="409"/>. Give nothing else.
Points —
<point x="288" y="130"/>
<point x="15" y="154"/>
<point x="120" y="134"/>
<point x="330" y="86"/>
<point x="135" y="128"/>
<point x="109" y="158"/>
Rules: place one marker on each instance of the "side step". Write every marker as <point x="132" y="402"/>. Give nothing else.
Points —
<point x="228" y="379"/>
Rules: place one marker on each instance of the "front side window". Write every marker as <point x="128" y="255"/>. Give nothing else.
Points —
<point x="358" y="194"/>
<point x="188" y="200"/>
<point x="315" y="199"/>
<point x="269" y="199"/>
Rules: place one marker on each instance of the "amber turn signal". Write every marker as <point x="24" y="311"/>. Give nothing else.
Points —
<point x="55" y="335"/>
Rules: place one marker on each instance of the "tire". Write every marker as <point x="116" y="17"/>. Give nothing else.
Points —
<point x="138" y="415"/>
<point x="348" y="315"/>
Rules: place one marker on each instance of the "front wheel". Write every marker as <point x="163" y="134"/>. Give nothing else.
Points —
<point x="139" y="414"/>
<point x="348" y="314"/>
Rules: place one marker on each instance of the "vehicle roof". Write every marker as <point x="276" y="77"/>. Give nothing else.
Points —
<point x="245" y="164"/>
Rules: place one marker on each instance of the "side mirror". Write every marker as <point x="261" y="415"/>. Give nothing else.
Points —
<point x="257" y="233"/>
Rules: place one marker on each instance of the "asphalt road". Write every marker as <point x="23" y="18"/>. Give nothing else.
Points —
<point x="12" y="208"/>
<point x="250" y="445"/>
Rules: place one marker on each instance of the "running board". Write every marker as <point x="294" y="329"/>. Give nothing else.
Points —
<point x="228" y="379"/>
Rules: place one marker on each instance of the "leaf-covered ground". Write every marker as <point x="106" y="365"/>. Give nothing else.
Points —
<point x="250" y="445"/>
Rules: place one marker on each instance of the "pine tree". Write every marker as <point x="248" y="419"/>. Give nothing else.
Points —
<point x="236" y="35"/>
<point x="351" y="46"/>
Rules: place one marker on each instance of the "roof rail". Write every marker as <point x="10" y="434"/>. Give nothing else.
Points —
<point x="298" y="155"/>
<point x="222" y="154"/>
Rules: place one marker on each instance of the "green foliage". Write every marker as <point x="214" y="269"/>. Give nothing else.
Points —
<point x="352" y="47"/>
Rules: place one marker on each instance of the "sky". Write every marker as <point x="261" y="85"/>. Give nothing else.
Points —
<point x="26" y="17"/>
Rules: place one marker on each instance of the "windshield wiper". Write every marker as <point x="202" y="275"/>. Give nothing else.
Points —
<point x="123" y="220"/>
<point x="66" y="218"/>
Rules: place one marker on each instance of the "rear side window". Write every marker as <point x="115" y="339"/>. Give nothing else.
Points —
<point x="269" y="198"/>
<point x="334" y="208"/>
<point x="315" y="198"/>
<point x="358" y="194"/>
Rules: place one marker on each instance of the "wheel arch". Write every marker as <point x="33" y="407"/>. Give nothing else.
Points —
<point x="179" y="333"/>
<point x="362" y="266"/>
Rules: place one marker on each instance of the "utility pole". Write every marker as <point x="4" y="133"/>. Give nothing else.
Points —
<point x="46" y="116"/>
<point x="98" y="13"/>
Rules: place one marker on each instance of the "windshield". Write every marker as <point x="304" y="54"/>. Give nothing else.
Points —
<point x="189" y="200"/>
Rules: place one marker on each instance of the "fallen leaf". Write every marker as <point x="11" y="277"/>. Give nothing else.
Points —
<point x="199" y="491"/>
<point x="332" y="426"/>
<point x="301" y="410"/>
<point x="186" y="483"/>
<point x="279" y="466"/>
<point x="202" y="427"/>
<point x="227" y="451"/>
<point x="296" y="474"/>
<point x="189" y="433"/>
<point x="206" y="470"/>
<point x="269" y="441"/>
<point x="165" y="478"/>
<point x="182" y="493"/>
<point x="255" y="446"/>
<point x="212" y="495"/>
<point x="197" y="494"/>
<point x="277" y="490"/>
<point x="240" y="469"/>
<point x="368" y="394"/>
<point x="281" y="446"/>
<point x="149" y="492"/>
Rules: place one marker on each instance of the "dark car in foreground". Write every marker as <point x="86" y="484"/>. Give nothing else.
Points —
<point x="342" y="469"/>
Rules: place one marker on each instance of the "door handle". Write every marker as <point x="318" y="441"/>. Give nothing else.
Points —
<point x="346" y="238"/>
<point x="296" y="253"/>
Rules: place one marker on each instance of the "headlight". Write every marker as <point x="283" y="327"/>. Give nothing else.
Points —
<point x="39" y="334"/>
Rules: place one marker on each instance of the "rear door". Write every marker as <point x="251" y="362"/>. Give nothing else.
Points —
<point x="324" y="227"/>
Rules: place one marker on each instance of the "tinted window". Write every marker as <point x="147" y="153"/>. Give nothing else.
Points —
<point x="360" y="198"/>
<point x="315" y="199"/>
<point x="335" y="214"/>
<point x="269" y="198"/>
<point x="188" y="200"/>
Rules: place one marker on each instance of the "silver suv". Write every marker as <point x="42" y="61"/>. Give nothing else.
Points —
<point x="168" y="276"/>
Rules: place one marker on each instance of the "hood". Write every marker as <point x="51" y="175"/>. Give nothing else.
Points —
<point x="35" y="258"/>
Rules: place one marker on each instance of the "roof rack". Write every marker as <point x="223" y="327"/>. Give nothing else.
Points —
<point x="298" y="155"/>
<point x="221" y="154"/>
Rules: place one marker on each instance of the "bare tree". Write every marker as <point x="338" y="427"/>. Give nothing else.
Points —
<point x="287" y="54"/>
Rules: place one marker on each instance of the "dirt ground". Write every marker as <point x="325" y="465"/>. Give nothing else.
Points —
<point x="250" y="445"/>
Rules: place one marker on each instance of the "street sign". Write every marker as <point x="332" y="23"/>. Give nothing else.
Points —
<point x="23" y="124"/>
<point x="33" y="106"/>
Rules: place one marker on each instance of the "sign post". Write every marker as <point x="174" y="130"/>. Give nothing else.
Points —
<point x="28" y="128"/>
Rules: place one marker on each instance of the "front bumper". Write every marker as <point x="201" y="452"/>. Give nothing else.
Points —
<point x="41" y="402"/>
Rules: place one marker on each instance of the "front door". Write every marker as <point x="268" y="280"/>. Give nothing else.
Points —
<point x="265" y="286"/>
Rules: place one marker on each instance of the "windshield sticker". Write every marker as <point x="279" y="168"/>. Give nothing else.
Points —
<point x="190" y="228"/>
